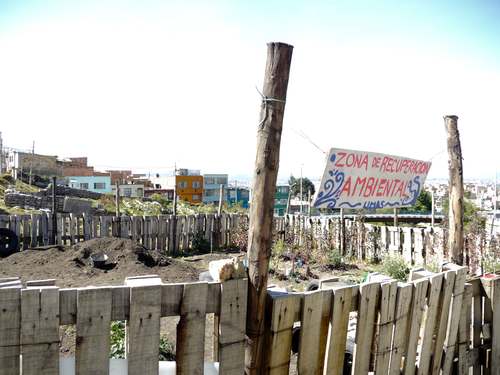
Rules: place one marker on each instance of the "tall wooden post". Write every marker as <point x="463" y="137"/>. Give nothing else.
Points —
<point x="117" y="214"/>
<point x="174" y="218"/>
<point x="342" y="233"/>
<point x="221" y="199"/>
<point x="279" y="56"/>
<point x="54" y="211"/>
<point x="456" y="191"/>
<point x="288" y="201"/>
<point x="433" y="214"/>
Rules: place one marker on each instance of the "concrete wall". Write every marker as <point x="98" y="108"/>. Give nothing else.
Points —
<point x="42" y="165"/>
<point x="129" y="190"/>
<point x="91" y="183"/>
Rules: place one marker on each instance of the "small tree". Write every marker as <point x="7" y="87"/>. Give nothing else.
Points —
<point x="306" y="186"/>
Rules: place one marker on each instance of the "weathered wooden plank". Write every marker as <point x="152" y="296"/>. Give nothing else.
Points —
<point x="143" y="330"/>
<point x="40" y="331"/>
<point x="191" y="329"/>
<point x="464" y="332"/>
<point x="434" y="294"/>
<point x="232" y="325"/>
<point x="368" y="296"/>
<point x="93" y="318"/>
<point x="454" y="319"/>
<point x="415" y="321"/>
<point x="279" y="339"/>
<point x="492" y="288"/>
<point x="34" y="229"/>
<point x="39" y="283"/>
<point x="447" y="292"/>
<point x="403" y="303"/>
<point x="310" y="360"/>
<point x="477" y="323"/>
<point x="10" y="330"/>
<point x="386" y="325"/>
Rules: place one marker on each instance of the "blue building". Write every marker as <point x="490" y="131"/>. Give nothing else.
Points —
<point x="239" y="195"/>
<point x="98" y="184"/>
<point x="211" y="187"/>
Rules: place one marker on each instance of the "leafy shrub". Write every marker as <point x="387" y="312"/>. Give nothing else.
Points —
<point x="335" y="259"/>
<point x="396" y="267"/>
<point x="117" y="340"/>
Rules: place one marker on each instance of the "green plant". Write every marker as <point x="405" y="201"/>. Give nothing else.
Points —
<point x="117" y="341"/>
<point x="167" y="350"/>
<point x="396" y="267"/>
<point x="335" y="259"/>
<point x="200" y="244"/>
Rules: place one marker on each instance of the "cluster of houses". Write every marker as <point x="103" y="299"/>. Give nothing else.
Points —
<point x="190" y="185"/>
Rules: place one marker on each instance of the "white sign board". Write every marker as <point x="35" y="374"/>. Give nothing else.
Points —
<point x="367" y="180"/>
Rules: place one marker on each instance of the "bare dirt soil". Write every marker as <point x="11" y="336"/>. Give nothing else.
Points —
<point x="71" y="266"/>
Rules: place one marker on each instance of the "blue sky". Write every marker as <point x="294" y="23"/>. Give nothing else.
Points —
<point x="148" y="83"/>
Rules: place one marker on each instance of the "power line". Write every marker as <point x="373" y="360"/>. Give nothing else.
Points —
<point x="307" y="138"/>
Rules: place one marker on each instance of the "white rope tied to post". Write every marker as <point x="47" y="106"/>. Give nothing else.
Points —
<point x="265" y="100"/>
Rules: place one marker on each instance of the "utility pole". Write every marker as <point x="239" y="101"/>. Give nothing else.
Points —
<point x="279" y="57"/>
<point x="494" y="207"/>
<point x="309" y="202"/>
<point x="31" y="161"/>
<point x="301" y="197"/>
<point x="456" y="191"/>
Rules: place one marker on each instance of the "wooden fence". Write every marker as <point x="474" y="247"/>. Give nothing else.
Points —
<point x="154" y="232"/>
<point x="436" y="324"/>
<point x="418" y="245"/>
<point x="30" y="319"/>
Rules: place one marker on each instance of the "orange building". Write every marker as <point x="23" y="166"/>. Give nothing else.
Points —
<point x="189" y="188"/>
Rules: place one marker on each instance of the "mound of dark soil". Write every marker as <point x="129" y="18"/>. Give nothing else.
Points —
<point x="71" y="266"/>
<point x="117" y="250"/>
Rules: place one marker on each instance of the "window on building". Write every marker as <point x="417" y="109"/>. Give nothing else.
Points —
<point x="127" y="192"/>
<point x="84" y="185"/>
<point x="209" y="180"/>
<point x="182" y="184"/>
<point x="221" y="181"/>
<point x="196" y="197"/>
<point x="99" y="185"/>
<point x="140" y="192"/>
<point x="196" y="184"/>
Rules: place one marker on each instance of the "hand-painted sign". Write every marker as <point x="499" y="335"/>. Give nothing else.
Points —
<point x="366" y="180"/>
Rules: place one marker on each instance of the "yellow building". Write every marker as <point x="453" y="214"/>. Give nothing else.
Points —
<point x="189" y="188"/>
